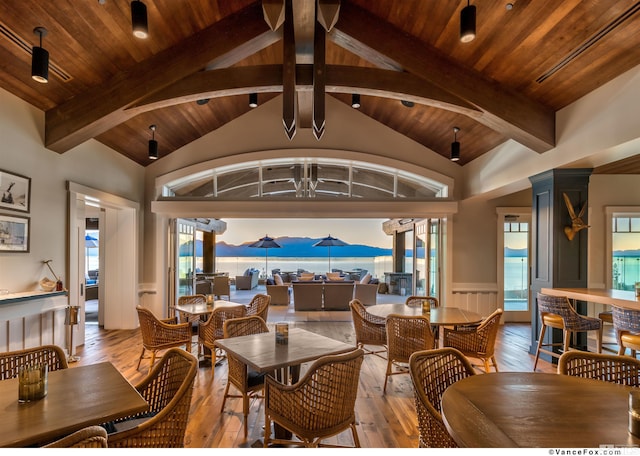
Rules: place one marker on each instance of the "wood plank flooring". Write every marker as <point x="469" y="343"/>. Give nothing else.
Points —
<point x="384" y="421"/>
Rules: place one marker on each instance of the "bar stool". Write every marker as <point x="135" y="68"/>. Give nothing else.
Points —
<point x="626" y="324"/>
<point x="557" y="312"/>
<point x="607" y="317"/>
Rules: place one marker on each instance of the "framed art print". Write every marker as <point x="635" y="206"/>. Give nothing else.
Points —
<point x="15" y="191"/>
<point x="14" y="233"/>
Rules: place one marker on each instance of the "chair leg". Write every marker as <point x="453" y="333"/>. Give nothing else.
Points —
<point x="245" y="411"/>
<point x="153" y="359"/>
<point x="600" y="339"/>
<point x="224" y="399"/>
<point x="140" y="359"/>
<point x="487" y="367"/>
<point x="542" y="331"/>
<point x="567" y="340"/>
<point x="387" y="374"/>
<point x="267" y="431"/>
<point x="354" y="432"/>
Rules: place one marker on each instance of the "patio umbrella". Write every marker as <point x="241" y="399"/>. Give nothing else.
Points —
<point x="330" y="241"/>
<point x="266" y="243"/>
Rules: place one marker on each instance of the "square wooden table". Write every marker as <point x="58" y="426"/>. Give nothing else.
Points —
<point x="77" y="397"/>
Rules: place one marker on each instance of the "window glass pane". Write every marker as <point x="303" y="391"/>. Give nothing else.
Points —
<point x="635" y="224"/>
<point x="626" y="253"/>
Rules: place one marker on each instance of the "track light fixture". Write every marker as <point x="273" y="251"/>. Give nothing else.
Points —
<point x="139" y="19"/>
<point x="253" y="100"/>
<point x="40" y="59"/>
<point x="355" y="100"/>
<point x="468" y="23"/>
<point x="153" y="144"/>
<point x="455" y="146"/>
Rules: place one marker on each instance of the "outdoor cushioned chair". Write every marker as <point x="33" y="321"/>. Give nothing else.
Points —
<point x="367" y="293"/>
<point x="247" y="382"/>
<point x="222" y="287"/>
<point x="89" y="437"/>
<point x="307" y="296"/>
<point x="370" y="329"/>
<point x="623" y="370"/>
<point x="476" y="341"/>
<point x="320" y="405"/>
<point x="432" y="372"/>
<point x="557" y="312"/>
<point x="168" y="389"/>
<point x="405" y="335"/>
<point x="161" y="334"/>
<point x="280" y="294"/>
<point x="212" y="329"/>
<point x="337" y="295"/>
<point x="51" y="355"/>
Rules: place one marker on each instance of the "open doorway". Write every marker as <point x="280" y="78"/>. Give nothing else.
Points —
<point x="92" y="270"/>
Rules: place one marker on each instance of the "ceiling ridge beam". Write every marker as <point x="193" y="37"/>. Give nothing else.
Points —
<point x="339" y="79"/>
<point x="101" y="108"/>
<point x="508" y="112"/>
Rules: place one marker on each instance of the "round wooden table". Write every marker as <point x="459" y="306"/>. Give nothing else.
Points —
<point x="439" y="316"/>
<point x="536" y="410"/>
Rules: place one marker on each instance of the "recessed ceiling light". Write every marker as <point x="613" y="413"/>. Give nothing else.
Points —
<point x="408" y="104"/>
<point x="202" y="101"/>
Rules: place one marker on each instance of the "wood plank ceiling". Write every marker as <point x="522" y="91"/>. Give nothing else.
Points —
<point x="528" y="60"/>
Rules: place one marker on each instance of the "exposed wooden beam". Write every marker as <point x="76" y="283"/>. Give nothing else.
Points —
<point x="506" y="111"/>
<point x="101" y="108"/>
<point x="328" y="11"/>
<point x="289" y="74"/>
<point x="273" y="13"/>
<point x="319" y="81"/>
<point x="339" y="79"/>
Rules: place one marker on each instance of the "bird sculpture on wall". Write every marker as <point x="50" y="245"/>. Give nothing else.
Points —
<point x="577" y="223"/>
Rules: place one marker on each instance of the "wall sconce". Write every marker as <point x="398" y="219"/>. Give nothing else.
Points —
<point x="355" y="100"/>
<point x="153" y="144"/>
<point x="40" y="59"/>
<point x="253" y="100"/>
<point x="468" y="23"/>
<point x="455" y="146"/>
<point x="139" y="23"/>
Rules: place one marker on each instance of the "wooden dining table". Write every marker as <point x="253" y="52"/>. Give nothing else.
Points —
<point x="203" y="309"/>
<point x="536" y="410"/>
<point x="77" y="397"/>
<point x="438" y="316"/>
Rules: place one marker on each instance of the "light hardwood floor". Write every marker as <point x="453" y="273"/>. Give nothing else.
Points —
<point x="384" y="420"/>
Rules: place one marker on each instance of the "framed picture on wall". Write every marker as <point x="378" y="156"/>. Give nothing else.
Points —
<point x="15" y="191"/>
<point x="14" y="233"/>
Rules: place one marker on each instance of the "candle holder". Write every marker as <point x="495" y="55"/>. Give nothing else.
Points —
<point x="32" y="382"/>
<point x="282" y="333"/>
<point x="634" y="413"/>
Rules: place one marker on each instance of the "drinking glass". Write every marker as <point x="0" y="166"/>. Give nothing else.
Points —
<point x="32" y="382"/>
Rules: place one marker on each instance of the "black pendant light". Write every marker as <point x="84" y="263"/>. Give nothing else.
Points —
<point x="139" y="19"/>
<point x="468" y="23"/>
<point x="455" y="146"/>
<point x="253" y="100"/>
<point x="40" y="59"/>
<point x="153" y="144"/>
<point x="355" y="100"/>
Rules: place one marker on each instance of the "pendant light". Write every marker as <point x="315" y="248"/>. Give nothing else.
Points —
<point x="468" y="23"/>
<point x="253" y="100"/>
<point x="355" y="100"/>
<point x="139" y="19"/>
<point x="153" y="144"/>
<point x="40" y="59"/>
<point x="455" y="146"/>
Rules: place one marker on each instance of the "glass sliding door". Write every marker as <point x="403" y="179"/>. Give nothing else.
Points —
<point x="185" y="258"/>
<point x="513" y="265"/>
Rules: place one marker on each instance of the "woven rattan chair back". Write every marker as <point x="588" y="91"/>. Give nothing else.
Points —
<point x="190" y="299"/>
<point x="212" y="329"/>
<point x="369" y="329"/>
<point x="417" y="301"/>
<point x="161" y="334"/>
<point x="168" y="389"/>
<point x="238" y="372"/>
<point x="572" y="322"/>
<point x="320" y="405"/>
<point x="432" y="372"/>
<point x="626" y="324"/>
<point x="405" y="336"/>
<point x="89" y="437"/>
<point x="51" y="355"/>
<point x="259" y="306"/>
<point x="623" y="370"/>
<point x="476" y="341"/>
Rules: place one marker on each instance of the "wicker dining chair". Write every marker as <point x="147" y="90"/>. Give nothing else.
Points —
<point x="190" y="299"/>
<point x="405" y="335"/>
<point x="168" y="389"/>
<point x="611" y="368"/>
<point x="476" y="341"/>
<point x="259" y="306"/>
<point x="161" y="334"/>
<point x="369" y="329"/>
<point x="89" y="437"/>
<point x="432" y="372"/>
<point x="243" y="379"/>
<point x="417" y="301"/>
<point x="320" y="405"/>
<point x="212" y="329"/>
<point x="51" y="355"/>
<point x="557" y="312"/>
<point x="626" y="324"/>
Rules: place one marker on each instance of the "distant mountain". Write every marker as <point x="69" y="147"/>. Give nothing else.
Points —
<point x="292" y="247"/>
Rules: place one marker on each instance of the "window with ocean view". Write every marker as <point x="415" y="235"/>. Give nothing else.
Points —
<point x="625" y="252"/>
<point x="516" y="266"/>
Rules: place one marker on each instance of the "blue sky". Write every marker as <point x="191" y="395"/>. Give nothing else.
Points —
<point x="352" y="231"/>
